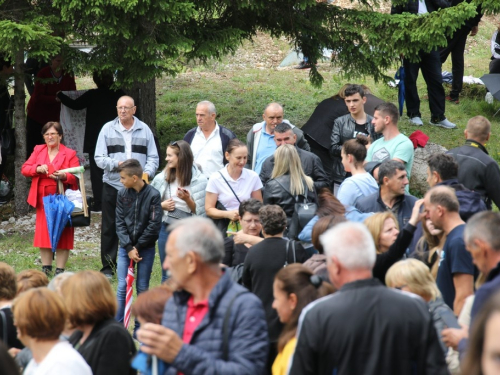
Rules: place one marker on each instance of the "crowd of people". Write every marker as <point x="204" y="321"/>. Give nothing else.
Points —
<point x="271" y="263"/>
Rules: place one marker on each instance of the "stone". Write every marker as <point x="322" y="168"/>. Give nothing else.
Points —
<point x="12" y="220"/>
<point x="418" y="180"/>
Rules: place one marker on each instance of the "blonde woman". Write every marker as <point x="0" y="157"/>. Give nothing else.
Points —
<point x="412" y="275"/>
<point x="390" y="242"/>
<point x="288" y="181"/>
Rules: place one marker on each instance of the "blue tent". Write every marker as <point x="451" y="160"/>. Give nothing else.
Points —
<point x="58" y="211"/>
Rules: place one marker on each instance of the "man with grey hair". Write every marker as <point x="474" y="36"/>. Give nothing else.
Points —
<point x="477" y="170"/>
<point x="482" y="239"/>
<point x="392" y="179"/>
<point x="209" y="139"/>
<point x="260" y="139"/>
<point x="211" y="325"/>
<point x="364" y="328"/>
<point x="455" y="278"/>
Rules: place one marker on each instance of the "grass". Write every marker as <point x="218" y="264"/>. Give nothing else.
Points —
<point x="241" y="92"/>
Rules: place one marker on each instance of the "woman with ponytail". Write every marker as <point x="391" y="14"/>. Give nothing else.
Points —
<point x="294" y="288"/>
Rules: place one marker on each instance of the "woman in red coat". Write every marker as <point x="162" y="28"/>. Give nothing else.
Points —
<point x="43" y="166"/>
<point x="44" y="105"/>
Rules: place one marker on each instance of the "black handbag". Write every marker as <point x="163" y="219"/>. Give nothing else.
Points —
<point x="303" y="212"/>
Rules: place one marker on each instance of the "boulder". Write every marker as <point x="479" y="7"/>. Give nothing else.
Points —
<point x="418" y="183"/>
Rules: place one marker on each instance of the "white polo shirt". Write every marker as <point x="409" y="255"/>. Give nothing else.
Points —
<point x="244" y="186"/>
<point x="207" y="152"/>
<point x="127" y="137"/>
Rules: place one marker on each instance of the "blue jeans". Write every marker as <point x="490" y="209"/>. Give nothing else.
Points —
<point x="143" y="275"/>
<point x="162" y="241"/>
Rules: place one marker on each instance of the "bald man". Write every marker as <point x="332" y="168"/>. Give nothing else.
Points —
<point x="456" y="272"/>
<point x="260" y="139"/>
<point x="126" y="137"/>
<point x="477" y="170"/>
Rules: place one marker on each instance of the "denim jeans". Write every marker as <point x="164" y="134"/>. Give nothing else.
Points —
<point x="162" y="241"/>
<point x="143" y="275"/>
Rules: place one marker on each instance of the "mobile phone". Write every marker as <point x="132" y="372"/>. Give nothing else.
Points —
<point x="449" y="319"/>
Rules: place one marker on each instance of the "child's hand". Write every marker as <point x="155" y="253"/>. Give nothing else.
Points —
<point x="134" y="255"/>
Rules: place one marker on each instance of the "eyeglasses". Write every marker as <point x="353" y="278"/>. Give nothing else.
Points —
<point x="47" y="135"/>
<point x="174" y="143"/>
<point x="400" y="287"/>
<point x="124" y="108"/>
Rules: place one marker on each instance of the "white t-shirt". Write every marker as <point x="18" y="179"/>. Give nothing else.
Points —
<point x="244" y="186"/>
<point x="172" y="193"/>
<point x="207" y="152"/>
<point x="62" y="359"/>
<point x="422" y="7"/>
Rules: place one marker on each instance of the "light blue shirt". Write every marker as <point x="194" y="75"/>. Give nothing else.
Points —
<point x="266" y="148"/>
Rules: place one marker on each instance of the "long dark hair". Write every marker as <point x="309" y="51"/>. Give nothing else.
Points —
<point x="184" y="171"/>
<point x="296" y="279"/>
<point x="328" y="204"/>
<point x="471" y="364"/>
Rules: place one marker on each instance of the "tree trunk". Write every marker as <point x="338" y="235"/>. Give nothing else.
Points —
<point x="144" y="94"/>
<point x="21" y="183"/>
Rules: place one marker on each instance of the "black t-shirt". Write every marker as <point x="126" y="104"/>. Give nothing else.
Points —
<point x="360" y="129"/>
<point x="234" y="253"/>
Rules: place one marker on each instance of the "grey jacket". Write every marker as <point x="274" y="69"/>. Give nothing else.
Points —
<point x="110" y="150"/>
<point x="198" y="185"/>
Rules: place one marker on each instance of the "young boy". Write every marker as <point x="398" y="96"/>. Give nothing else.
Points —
<point x="138" y="223"/>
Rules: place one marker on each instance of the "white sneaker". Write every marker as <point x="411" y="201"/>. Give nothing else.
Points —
<point x="416" y="121"/>
<point x="488" y="98"/>
<point x="444" y="124"/>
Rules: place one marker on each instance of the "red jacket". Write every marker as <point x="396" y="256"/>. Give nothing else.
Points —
<point x="66" y="158"/>
<point x="43" y="106"/>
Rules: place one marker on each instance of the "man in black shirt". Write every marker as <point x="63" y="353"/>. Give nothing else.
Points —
<point x="364" y="328"/>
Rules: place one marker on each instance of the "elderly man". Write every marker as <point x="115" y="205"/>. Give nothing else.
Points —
<point x="391" y="196"/>
<point x="311" y="164"/>
<point x="455" y="278"/>
<point x="260" y="140"/>
<point x="212" y="326"/>
<point x="482" y="239"/>
<point x="476" y="169"/>
<point x="126" y="137"/>
<point x="364" y="328"/>
<point x="209" y="139"/>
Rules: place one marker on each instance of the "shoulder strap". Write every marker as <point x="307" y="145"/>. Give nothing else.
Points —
<point x="225" y="326"/>
<point x="293" y="250"/>
<point x="230" y="187"/>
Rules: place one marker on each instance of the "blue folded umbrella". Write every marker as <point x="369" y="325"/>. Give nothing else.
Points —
<point x="400" y="74"/>
<point x="58" y="211"/>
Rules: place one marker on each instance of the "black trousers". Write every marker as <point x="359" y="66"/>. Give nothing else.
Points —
<point x="97" y="185"/>
<point x="33" y="135"/>
<point x="430" y="64"/>
<point x="109" y="239"/>
<point x="456" y="46"/>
